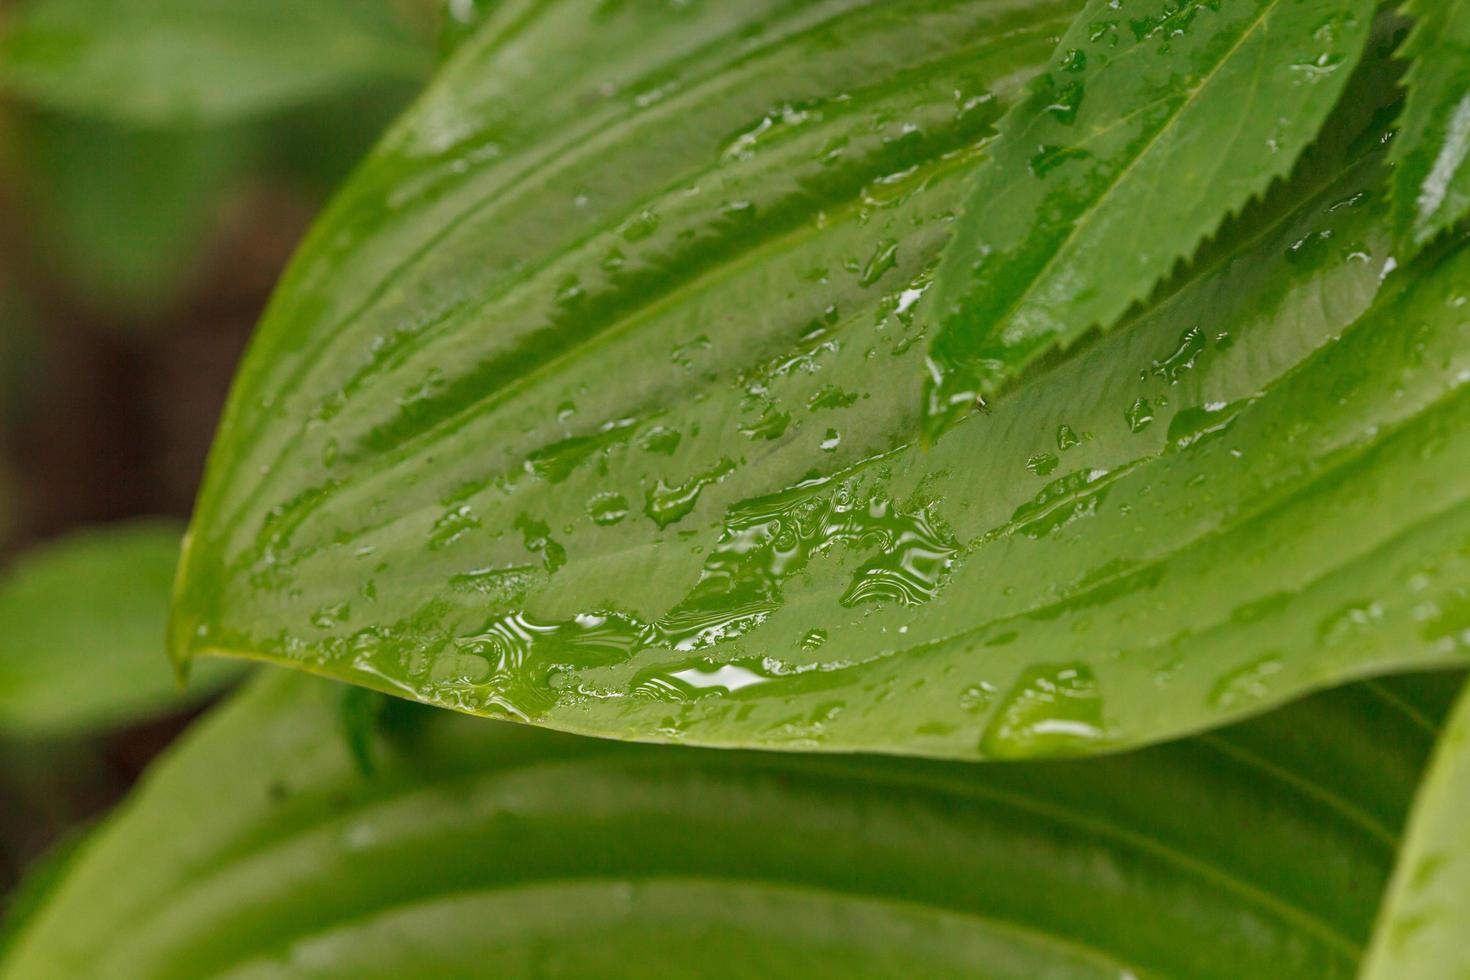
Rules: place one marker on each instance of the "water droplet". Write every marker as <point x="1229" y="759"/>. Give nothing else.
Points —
<point x="1043" y="464"/>
<point x="1247" y="684"/>
<point x="1139" y="415"/>
<point x="1053" y="709"/>
<point x="813" y="639"/>
<point x="607" y="508"/>
<point x="1066" y="438"/>
<point x="884" y="257"/>
<point x="667" y="504"/>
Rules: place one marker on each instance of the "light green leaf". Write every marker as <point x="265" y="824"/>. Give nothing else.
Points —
<point x="594" y="402"/>
<point x="257" y="849"/>
<point x="1425" y="919"/>
<point x="82" y="624"/>
<point x="1432" y="150"/>
<point x="1154" y="121"/>
<point x="169" y="62"/>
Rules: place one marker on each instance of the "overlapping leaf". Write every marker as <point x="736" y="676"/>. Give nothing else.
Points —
<point x="82" y="625"/>
<point x="257" y="850"/>
<point x="594" y="402"/>
<point x="200" y="61"/>
<point x="1425" y="918"/>
<point x="1432" y="150"/>
<point x="1154" y="121"/>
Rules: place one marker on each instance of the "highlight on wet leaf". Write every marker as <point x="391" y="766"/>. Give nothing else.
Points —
<point x="609" y="421"/>
<point x="257" y="848"/>
<point x="1432" y="149"/>
<point x="1153" y="121"/>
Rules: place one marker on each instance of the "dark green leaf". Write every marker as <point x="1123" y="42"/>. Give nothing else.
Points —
<point x="1432" y="151"/>
<point x="256" y="849"/>
<point x="82" y="623"/>
<point x="122" y="212"/>
<point x="1425" y="919"/>
<point x="197" y="61"/>
<point x="594" y="402"/>
<point x="1154" y="121"/>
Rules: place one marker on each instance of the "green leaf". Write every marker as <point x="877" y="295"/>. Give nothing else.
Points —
<point x="168" y="62"/>
<point x="1154" y="121"/>
<point x="593" y="401"/>
<point x="1432" y="150"/>
<point x="1426" y="916"/>
<point x="459" y="19"/>
<point x="257" y="849"/>
<point x="122" y="212"/>
<point x="82" y="623"/>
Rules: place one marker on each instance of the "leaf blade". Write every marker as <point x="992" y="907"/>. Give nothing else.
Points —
<point x="181" y="63"/>
<point x="645" y="471"/>
<point x="82" y="625"/>
<point x="256" y="848"/>
<point x="1062" y="232"/>
<point x="1421" y="927"/>
<point x="1432" y="182"/>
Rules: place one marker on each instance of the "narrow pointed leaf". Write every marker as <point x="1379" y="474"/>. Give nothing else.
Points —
<point x="257" y="849"/>
<point x="200" y="61"/>
<point x="1425" y="919"/>
<point x="82" y="625"/>
<point x="594" y="402"/>
<point x="1153" y="122"/>
<point x="1432" y="150"/>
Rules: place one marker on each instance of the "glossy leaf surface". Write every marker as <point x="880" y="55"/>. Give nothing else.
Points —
<point x="594" y="402"/>
<point x="1154" y="121"/>
<point x="256" y="849"/>
<point x="1432" y="150"/>
<point x="200" y="61"/>
<point x="82" y="625"/>
<point x="1425" y="919"/>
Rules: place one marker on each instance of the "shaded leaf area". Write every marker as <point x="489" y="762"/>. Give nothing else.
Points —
<point x="594" y="402"/>
<point x="1154" y="121"/>
<point x="256" y="848"/>
<point x="82" y="624"/>
<point x="1432" y="150"/>
<point x="178" y="62"/>
<point x="123" y="211"/>
<point x="128" y="218"/>
<point x="1425" y="917"/>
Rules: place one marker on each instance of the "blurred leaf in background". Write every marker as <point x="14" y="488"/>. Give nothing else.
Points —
<point x="81" y="634"/>
<point x="141" y="122"/>
<point x="171" y="62"/>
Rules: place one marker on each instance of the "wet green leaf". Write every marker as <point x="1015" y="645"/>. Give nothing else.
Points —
<point x="257" y="849"/>
<point x="594" y="402"/>
<point x="82" y="624"/>
<point x="170" y="62"/>
<point x="1432" y="150"/>
<point x="1426" y="916"/>
<point x="1153" y="122"/>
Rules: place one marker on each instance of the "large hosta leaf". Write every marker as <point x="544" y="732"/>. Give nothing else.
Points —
<point x="1425" y="919"/>
<point x="256" y="849"/>
<point x="82" y="624"/>
<point x="194" y="61"/>
<point x="594" y="402"/>
<point x="1432" y="152"/>
<point x="1154" y="120"/>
